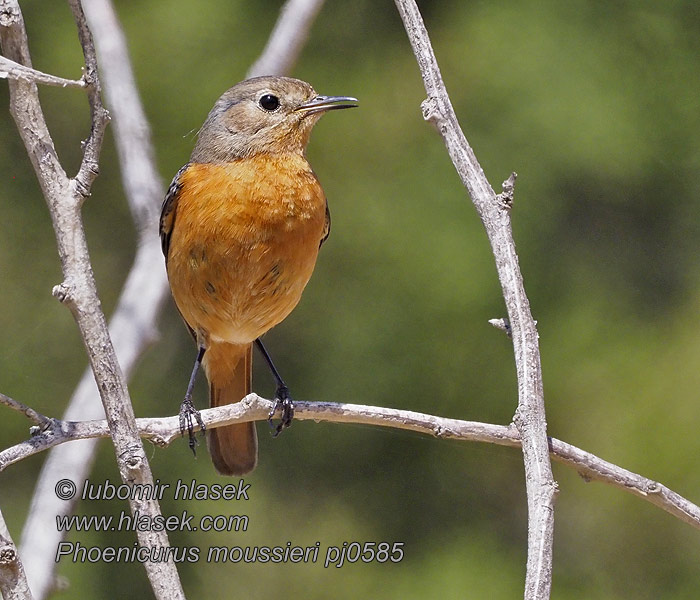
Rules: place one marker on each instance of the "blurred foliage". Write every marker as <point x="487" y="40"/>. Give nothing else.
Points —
<point x="596" y="106"/>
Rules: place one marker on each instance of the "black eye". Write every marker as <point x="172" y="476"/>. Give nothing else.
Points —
<point x="270" y="102"/>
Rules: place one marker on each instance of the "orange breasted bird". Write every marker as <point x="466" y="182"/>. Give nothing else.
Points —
<point x="241" y="227"/>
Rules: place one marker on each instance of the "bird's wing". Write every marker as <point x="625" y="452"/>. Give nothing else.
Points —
<point x="326" y="226"/>
<point x="167" y="213"/>
<point x="167" y="222"/>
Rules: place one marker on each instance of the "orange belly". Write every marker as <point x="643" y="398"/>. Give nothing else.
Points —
<point x="244" y="244"/>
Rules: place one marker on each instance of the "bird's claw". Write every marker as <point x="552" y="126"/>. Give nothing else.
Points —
<point x="284" y="402"/>
<point x="188" y="411"/>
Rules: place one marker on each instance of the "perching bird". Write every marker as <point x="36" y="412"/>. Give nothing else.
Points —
<point x="241" y="227"/>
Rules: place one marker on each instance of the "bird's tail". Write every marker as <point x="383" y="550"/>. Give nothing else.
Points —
<point x="233" y="448"/>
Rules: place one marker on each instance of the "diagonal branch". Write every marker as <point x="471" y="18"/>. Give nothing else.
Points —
<point x="287" y="38"/>
<point x="495" y="214"/>
<point x="78" y="291"/>
<point x="27" y="411"/>
<point x="9" y="69"/>
<point x="133" y="326"/>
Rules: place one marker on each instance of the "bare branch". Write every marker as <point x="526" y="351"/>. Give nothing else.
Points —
<point x="163" y="431"/>
<point x="99" y="117"/>
<point x="140" y="178"/>
<point x="24" y="105"/>
<point x="287" y="38"/>
<point x="27" y="411"/>
<point x="9" y="69"/>
<point x="13" y="582"/>
<point x="78" y="291"/>
<point x="495" y="214"/>
<point x="133" y="326"/>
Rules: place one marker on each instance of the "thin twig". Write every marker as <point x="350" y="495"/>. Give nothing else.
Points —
<point x="9" y="69"/>
<point x="494" y="211"/>
<point x="99" y="117"/>
<point x="140" y="178"/>
<point x="27" y="411"/>
<point x="163" y="431"/>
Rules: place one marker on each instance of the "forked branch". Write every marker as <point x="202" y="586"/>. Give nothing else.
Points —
<point x="64" y="197"/>
<point x="133" y="325"/>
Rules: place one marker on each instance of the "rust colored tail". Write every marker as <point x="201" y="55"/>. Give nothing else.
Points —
<point x="233" y="448"/>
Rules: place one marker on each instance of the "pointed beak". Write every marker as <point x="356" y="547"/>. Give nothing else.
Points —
<point x="324" y="103"/>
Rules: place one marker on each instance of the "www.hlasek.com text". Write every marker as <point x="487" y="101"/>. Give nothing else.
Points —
<point x="185" y="521"/>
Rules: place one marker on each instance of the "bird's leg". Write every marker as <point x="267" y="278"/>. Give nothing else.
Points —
<point x="188" y="409"/>
<point x="283" y="399"/>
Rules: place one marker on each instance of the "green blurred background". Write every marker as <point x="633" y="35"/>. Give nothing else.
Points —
<point x="596" y="105"/>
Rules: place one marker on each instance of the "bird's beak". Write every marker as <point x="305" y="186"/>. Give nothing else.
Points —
<point x="324" y="103"/>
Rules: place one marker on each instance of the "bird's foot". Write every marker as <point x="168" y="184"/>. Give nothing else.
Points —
<point x="188" y="415"/>
<point x="284" y="402"/>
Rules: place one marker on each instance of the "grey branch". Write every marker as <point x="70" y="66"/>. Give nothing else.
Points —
<point x="133" y="326"/>
<point x="9" y="69"/>
<point x="64" y="197"/>
<point x="13" y="581"/>
<point x="27" y="411"/>
<point x="494" y="211"/>
<point x="287" y="38"/>
<point x="142" y="183"/>
<point x="163" y="431"/>
<point x="89" y="166"/>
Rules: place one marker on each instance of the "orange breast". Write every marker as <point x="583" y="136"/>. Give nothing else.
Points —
<point x="244" y="244"/>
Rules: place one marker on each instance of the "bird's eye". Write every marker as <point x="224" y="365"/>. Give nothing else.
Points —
<point x="269" y="102"/>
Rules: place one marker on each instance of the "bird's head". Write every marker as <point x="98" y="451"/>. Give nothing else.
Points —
<point x="263" y="115"/>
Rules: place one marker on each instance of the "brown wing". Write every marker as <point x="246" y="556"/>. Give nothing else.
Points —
<point x="167" y="222"/>
<point x="167" y="213"/>
<point x="326" y="227"/>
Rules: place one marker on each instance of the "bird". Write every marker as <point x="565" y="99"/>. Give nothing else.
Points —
<point x="241" y="226"/>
